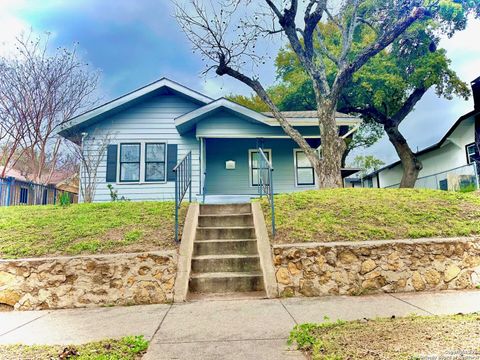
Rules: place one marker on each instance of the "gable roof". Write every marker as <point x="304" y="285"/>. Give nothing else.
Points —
<point x="187" y="121"/>
<point x="431" y="147"/>
<point x="90" y="117"/>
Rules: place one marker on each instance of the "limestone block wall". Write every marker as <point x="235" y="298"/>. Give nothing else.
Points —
<point x="82" y="281"/>
<point x="355" y="268"/>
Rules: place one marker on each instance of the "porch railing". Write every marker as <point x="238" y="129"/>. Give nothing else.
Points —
<point x="18" y="192"/>
<point x="183" y="182"/>
<point x="204" y="186"/>
<point x="265" y="183"/>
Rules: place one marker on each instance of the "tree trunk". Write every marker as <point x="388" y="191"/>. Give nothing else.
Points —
<point x="332" y="146"/>
<point x="411" y="164"/>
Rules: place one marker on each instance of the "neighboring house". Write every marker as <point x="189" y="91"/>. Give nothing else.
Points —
<point x="154" y="127"/>
<point x="17" y="189"/>
<point x="448" y="162"/>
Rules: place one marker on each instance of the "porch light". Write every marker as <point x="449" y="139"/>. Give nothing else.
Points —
<point x="230" y="165"/>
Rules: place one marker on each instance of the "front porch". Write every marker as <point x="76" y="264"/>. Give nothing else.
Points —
<point x="230" y="167"/>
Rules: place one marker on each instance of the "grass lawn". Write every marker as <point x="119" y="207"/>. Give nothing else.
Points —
<point x="30" y="231"/>
<point x="127" y="348"/>
<point x="409" y="338"/>
<point x="374" y="214"/>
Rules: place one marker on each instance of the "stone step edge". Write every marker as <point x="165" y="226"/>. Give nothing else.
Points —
<point x="225" y="227"/>
<point x="224" y="215"/>
<point x="224" y="256"/>
<point x="215" y="275"/>
<point x="223" y="240"/>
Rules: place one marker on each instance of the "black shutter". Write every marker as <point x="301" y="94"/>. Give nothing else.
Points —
<point x="171" y="161"/>
<point x="112" y="163"/>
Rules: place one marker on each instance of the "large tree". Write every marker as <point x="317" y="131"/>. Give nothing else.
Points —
<point x="391" y="84"/>
<point x="227" y="34"/>
<point x="40" y="90"/>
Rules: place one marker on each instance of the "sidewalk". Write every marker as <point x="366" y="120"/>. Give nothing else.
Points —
<point x="220" y="329"/>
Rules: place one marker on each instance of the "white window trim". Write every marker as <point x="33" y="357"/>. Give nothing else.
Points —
<point x="466" y="151"/>
<point x="250" y="151"/>
<point x="295" y="151"/>
<point x="142" y="180"/>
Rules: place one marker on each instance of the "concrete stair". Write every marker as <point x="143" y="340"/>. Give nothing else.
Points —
<point x="225" y="256"/>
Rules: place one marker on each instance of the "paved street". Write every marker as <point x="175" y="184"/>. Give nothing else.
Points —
<point x="220" y="329"/>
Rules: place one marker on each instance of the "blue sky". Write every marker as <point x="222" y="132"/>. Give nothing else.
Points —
<point x="135" y="42"/>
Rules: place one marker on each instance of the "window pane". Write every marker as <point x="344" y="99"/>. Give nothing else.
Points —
<point x="302" y="160"/>
<point x="130" y="153"/>
<point x="130" y="172"/>
<point x="155" y="172"/>
<point x="254" y="177"/>
<point x="256" y="158"/>
<point x="305" y="176"/>
<point x="155" y="152"/>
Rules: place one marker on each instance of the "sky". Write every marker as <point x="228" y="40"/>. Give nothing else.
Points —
<point x="133" y="43"/>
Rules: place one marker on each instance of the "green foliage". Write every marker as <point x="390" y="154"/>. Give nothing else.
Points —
<point x="306" y="338"/>
<point x="114" y="194"/>
<point x="64" y="199"/>
<point x="28" y="231"/>
<point x="468" y="188"/>
<point x="367" y="163"/>
<point x="373" y="214"/>
<point x="126" y="348"/>
<point x="252" y="102"/>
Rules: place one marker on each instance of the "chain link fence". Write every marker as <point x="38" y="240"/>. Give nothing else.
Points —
<point x="462" y="178"/>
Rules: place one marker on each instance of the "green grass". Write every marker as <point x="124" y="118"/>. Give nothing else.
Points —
<point x="127" y="348"/>
<point x="413" y="337"/>
<point x="30" y="231"/>
<point x="374" y="214"/>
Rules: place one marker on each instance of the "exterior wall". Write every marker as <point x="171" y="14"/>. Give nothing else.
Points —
<point x="226" y="124"/>
<point x="346" y="268"/>
<point x="449" y="156"/>
<point x="82" y="281"/>
<point x="237" y="181"/>
<point x="149" y="121"/>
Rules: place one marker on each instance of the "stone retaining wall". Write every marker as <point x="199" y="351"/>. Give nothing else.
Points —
<point x="315" y="269"/>
<point x="81" y="281"/>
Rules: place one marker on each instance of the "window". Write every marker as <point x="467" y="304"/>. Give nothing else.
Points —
<point x="304" y="174"/>
<point x="471" y="150"/>
<point x="254" y="162"/>
<point x="23" y="195"/>
<point x="129" y="162"/>
<point x="155" y="162"/>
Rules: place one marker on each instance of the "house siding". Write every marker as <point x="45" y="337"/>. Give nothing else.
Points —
<point x="449" y="156"/>
<point x="237" y="181"/>
<point x="148" y="121"/>
<point x="225" y="124"/>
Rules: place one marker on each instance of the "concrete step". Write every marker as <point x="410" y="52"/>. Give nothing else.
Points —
<point x="234" y="232"/>
<point x="206" y="209"/>
<point x="219" y="220"/>
<point x="225" y="263"/>
<point x="246" y="295"/>
<point x="220" y="282"/>
<point x="226" y="247"/>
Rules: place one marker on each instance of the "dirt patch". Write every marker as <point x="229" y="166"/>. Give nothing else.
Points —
<point x="445" y="337"/>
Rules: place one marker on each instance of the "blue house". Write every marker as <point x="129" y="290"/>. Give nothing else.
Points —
<point x="151" y="129"/>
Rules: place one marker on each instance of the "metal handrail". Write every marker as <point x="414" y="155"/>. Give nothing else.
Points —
<point x="265" y="183"/>
<point x="183" y="182"/>
<point x="204" y="186"/>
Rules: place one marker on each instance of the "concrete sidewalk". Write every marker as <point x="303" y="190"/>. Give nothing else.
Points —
<point x="220" y="329"/>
